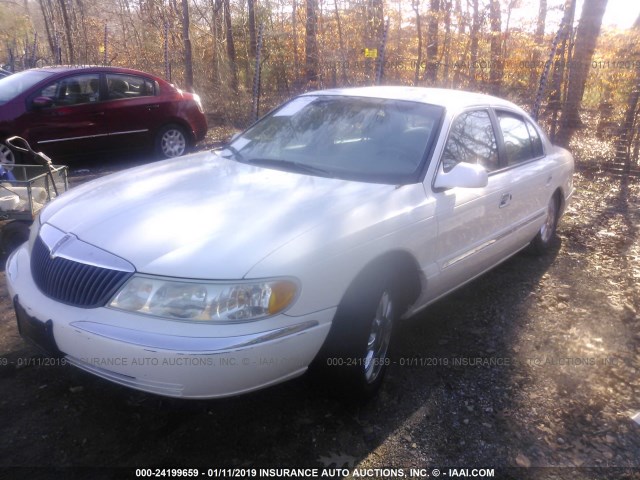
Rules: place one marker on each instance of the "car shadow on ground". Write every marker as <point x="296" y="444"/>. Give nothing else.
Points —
<point x="416" y="419"/>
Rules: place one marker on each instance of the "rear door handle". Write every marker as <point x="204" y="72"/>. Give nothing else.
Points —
<point x="505" y="200"/>
<point x="153" y="107"/>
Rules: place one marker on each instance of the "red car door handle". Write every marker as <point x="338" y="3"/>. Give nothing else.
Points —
<point x="153" y="107"/>
<point x="97" y="114"/>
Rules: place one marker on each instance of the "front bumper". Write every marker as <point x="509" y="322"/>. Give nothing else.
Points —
<point x="170" y="358"/>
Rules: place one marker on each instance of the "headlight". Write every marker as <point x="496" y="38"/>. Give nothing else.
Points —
<point x="206" y="302"/>
<point x="198" y="101"/>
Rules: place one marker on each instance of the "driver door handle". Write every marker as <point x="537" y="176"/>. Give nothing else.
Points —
<point x="505" y="200"/>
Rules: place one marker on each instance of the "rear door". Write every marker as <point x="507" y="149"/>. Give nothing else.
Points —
<point x="530" y="176"/>
<point x="133" y="110"/>
<point x="75" y="121"/>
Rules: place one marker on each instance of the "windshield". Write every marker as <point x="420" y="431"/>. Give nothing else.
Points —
<point x="355" y="138"/>
<point x="14" y="85"/>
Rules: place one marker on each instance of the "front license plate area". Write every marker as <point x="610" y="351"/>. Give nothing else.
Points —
<point x="37" y="332"/>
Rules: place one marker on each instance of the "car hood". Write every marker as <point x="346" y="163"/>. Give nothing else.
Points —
<point x="202" y="216"/>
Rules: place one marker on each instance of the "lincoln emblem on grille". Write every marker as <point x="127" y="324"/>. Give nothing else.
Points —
<point x="59" y="244"/>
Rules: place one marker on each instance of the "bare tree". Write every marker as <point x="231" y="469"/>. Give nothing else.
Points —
<point x="68" y="28"/>
<point x="47" y="14"/>
<point x="431" y="72"/>
<point x="497" y="71"/>
<point x="538" y="38"/>
<point x="216" y="31"/>
<point x="630" y="121"/>
<point x="586" y="38"/>
<point x="415" y="4"/>
<point x="311" y="42"/>
<point x="446" y="49"/>
<point x="188" y="59"/>
<point x="341" y="42"/>
<point x="473" y="47"/>
<point x="231" y="49"/>
<point x="252" y="27"/>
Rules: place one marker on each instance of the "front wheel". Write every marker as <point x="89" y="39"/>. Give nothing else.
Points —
<point x="356" y="353"/>
<point x="544" y="239"/>
<point x="171" y="141"/>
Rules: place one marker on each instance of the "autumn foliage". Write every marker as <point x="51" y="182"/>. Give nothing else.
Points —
<point x="494" y="46"/>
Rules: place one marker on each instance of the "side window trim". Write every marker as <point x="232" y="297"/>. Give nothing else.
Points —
<point x="452" y="123"/>
<point x="529" y="124"/>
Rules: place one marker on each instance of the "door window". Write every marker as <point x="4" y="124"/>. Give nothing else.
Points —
<point x="535" y="140"/>
<point x="521" y="141"/>
<point x="128" y="86"/>
<point x="471" y="140"/>
<point x="74" y="90"/>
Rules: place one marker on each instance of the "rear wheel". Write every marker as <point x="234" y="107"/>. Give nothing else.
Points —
<point x="7" y="156"/>
<point x="544" y="239"/>
<point x="171" y="141"/>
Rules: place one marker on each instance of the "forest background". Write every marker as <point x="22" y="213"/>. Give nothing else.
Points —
<point x="243" y="57"/>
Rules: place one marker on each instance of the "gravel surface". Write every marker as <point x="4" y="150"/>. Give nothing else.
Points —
<point x="531" y="370"/>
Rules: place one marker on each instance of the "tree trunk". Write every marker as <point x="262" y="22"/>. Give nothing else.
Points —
<point x="252" y="27"/>
<point x="216" y="29"/>
<point x="48" y="17"/>
<point x="294" y="27"/>
<point x="416" y="8"/>
<point x="311" y="43"/>
<point x="559" y="72"/>
<point x="586" y="38"/>
<point x="188" y="58"/>
<point x="496" y="72"/>
<point x="431" y="73"/>
<point x="377" y="21"/>
<point x="539" y="39"/>
<point x="447" y="43"/>
<point x="461" y="29"/>
<point x="473" y="47"/>
<point x="629" y="123"/>
<point x="68" y="31"/>
<point x="343" y="57"/>
<point x="231" y="49"/>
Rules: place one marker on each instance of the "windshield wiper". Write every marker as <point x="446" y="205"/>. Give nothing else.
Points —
<point x="290" y="166"/>
<point x="236" y="153"/>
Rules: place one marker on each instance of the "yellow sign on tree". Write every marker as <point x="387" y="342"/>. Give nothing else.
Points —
<point x="370" y="53"/>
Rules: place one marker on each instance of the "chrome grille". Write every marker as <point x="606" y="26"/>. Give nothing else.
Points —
<point x="71" y="282"/>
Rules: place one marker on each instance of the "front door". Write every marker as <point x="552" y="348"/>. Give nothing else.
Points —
<point x="470" y="219"/>
<point x="75" y="121"/>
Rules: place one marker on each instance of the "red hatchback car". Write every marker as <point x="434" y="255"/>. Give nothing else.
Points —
<point x="70" y="110"/>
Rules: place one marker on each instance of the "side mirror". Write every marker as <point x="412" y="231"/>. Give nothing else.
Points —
<point x="42" y="102"/>
<point x="465" y="175"/>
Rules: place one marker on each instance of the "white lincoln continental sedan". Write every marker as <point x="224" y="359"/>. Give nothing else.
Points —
<point x="299" y="245"/>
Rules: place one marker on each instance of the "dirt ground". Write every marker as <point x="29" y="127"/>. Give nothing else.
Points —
<point x="531" y="370"/>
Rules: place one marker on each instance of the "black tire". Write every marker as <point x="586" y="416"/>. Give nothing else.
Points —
<point x="355" y="356"/>
<point x="172" y="141"/>
<point x="14" y="234"/>
<point x="545" y="237"/>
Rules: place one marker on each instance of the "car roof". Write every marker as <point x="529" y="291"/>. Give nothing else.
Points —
<point x="448" y="98"/>
<point x="94" y="68"/>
